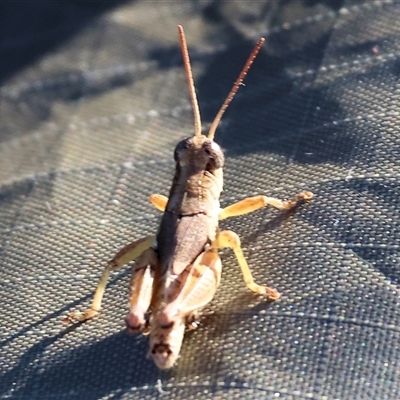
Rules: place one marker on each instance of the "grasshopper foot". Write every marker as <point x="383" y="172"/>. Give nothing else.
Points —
<point x="80" y="316"/>
<point x="295" y="201"/>
<point x="193" y="321"/>
<point x="304" y="197"/>
<point x="272" y="294"/>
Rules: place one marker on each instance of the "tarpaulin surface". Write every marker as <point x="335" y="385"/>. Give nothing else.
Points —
<point x="93" y="100"/>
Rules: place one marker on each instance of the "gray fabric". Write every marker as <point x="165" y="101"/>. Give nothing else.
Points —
<point x="92" y="102"/>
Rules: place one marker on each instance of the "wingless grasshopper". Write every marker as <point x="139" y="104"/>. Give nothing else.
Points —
<point x="177" y="272"/>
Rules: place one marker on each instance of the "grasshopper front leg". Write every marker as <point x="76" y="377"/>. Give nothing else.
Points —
<point x="251" y="204"/>
<point x="159" y="201"/>
<point x="124" y="256"/>
<point x="231" y="239"/>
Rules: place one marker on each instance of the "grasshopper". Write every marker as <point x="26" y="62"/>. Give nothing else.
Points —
<point x="178" y="271"/>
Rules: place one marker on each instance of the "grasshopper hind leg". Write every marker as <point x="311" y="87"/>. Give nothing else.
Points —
<point x="141" y="291"/>
<point x="188" y="294"/>
<point x="194" y="289"/>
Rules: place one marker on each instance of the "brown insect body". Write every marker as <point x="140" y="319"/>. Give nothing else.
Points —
<point x="178" y="271"/>
<point x="189" y="225"/>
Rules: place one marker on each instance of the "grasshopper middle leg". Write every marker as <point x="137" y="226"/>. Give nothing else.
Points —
<point x="127" y="254"/>
<point x="231" y="239"/>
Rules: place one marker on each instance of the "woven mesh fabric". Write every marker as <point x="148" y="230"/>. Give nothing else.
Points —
<point x="92" y="103"/>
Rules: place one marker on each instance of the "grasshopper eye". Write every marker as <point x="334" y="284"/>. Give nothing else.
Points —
<point x="215" y="155"/>
<point x="208" y="147"/>
<point x="183" y="144"/>
<point x="180" y="147"/>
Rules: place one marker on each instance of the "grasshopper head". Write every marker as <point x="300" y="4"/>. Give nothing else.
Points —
<point x="199" y="151"/>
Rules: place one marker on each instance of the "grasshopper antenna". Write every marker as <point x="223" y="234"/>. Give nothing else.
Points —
<point x="235" y="88"/>
<point x="189" y="77"/>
